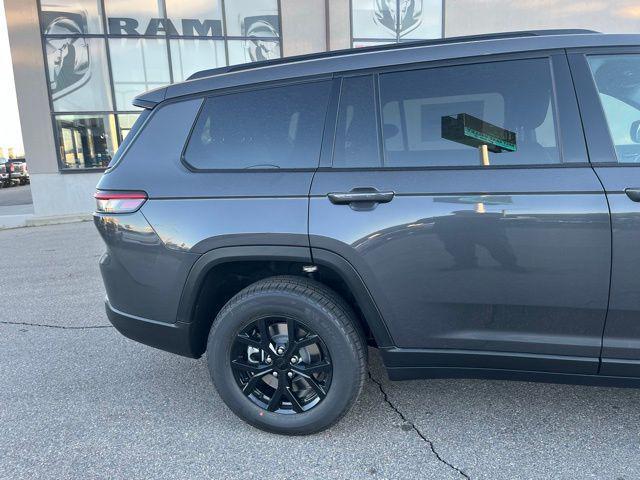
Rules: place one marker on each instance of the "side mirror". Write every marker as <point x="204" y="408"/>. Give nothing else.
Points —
<point x="634" y="131"/>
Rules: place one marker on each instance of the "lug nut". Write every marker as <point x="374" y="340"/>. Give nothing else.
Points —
<point x="294" y="360"/>
<point x="280" y="350"/>
<point x="275" y="374"/>
<point x="269" y="360"/>
<point x="290" y="374"/>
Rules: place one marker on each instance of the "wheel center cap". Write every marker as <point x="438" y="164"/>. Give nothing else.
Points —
<point x="281" y="363"/>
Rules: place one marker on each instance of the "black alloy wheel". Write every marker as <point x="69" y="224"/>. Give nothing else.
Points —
<point x="287" y="355"/>
<point x="281" y="365"/>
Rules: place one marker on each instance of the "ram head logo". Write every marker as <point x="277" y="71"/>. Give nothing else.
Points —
<point x="68" y="58"/>
<point x="399" y="17"/>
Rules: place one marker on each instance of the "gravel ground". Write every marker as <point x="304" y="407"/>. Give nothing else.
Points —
<point x="78" y="400"/>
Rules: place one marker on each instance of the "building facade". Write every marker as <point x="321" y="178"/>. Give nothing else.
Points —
<point x="79" y="63"/>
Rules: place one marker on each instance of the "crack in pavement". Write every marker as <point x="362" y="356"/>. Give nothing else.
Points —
<point x="413" y="427"/>
<point x="62" y="327"/>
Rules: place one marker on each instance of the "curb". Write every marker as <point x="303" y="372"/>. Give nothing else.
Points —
<point x="8" y="222"/>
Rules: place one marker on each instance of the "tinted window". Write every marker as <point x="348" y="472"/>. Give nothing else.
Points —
<point x="508" y="106"/>
<point x="131" y="133"/>
<point x="618" y="80"/>
<point x="279" y="127"/>
<point x="356" y="142"/>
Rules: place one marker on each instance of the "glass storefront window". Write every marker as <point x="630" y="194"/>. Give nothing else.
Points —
<point x="75" y="17"/>
<point x="363" y="43"/>
<point x="125" y="122"/>
<point x="396" y="20"/>
<point x="252" y="50"/>
<point x="196" y="17"/>
<point x="134" y="17"/>
<point x="190" y="56"/>
<point x="373" y="19"/>
<point x="430" y="25"/>
<point x="137" y="65"/>
<point x="252" y="18"/>
<point x="101" y="54"/>
<point x="78" y="74"/>
<point x="86" y="141"/>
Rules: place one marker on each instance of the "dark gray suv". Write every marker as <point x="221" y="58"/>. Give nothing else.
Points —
<point x="468" y="206"/>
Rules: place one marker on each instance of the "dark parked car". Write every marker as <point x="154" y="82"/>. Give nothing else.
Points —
<point x="469" y="206"/>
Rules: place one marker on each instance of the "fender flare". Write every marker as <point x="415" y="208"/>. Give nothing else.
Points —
<point x="328" y="259"/>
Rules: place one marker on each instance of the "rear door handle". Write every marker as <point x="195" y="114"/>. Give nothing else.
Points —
<point x="633" y="194"/>
<point x="360" y="196"/>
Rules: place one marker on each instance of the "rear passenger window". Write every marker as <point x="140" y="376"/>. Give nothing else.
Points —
<point x="443" y="116"/>
<point x="278" y="127"/>
<point x="356" y="141"/>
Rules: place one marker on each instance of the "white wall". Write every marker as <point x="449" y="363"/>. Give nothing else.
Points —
<point x="303" y="26"/>
<point x="57" y="194"/>
<point x="31" y="85"/>
<point x="466" y="17"/>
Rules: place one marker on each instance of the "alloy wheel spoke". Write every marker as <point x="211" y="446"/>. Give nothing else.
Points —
<point x="295" y="403"/>
<point x="291" y="331"/>
<point x="264" y="334"/>
<point x="306" y="341"/>
<point x="247" y="340"/>
<point x="316" y="387"/>
<point x="254" y="368"/>
<point x="308" y="370"/>
<point x="253" y="382"/>
<point x="276" y="398"/>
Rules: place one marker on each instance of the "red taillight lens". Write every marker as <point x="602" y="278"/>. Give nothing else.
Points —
<point x="11" y="167"/>
<point x="119" y="202"/>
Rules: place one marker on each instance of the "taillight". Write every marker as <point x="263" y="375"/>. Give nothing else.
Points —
<point x="119" y="202"/>
<point x="11" y="167"/>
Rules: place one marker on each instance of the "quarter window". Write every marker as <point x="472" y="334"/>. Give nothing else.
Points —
<point x="498" y="113"/>
<point x="278" y="127"/>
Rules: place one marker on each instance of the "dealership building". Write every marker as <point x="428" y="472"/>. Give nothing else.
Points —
<point x="79" y="63"/>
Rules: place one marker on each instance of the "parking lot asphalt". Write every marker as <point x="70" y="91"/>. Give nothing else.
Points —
<point x="78" y="400"/>
<point x="18" y="195"/>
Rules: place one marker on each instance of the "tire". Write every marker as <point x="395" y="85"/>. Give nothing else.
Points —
<point x="316" y="313"/>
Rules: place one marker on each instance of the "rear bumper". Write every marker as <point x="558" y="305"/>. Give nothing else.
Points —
<point x="179" y="338"/>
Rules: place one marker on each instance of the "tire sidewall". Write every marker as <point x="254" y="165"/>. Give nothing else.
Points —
<point x="345" y="376"/>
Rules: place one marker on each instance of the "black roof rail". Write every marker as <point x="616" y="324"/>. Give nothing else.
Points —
<point x="392" y="46"/>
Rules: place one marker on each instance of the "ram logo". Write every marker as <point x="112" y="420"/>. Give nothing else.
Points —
<point x="398" y="16"/>
<point x="68" y="57"/>
<point x="262" y="32"/>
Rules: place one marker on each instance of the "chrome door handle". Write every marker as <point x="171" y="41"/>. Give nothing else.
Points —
<point x="360" y="196"/>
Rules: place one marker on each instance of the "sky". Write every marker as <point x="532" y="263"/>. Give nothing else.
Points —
<point x="10" y="133"/>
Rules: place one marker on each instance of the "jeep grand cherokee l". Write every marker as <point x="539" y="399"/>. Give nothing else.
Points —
<point x="468" y="206"/>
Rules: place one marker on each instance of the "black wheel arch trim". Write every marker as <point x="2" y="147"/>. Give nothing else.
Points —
<point x="321" y="257"/>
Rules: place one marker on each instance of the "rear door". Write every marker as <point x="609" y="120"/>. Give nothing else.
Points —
<point x="475" y="258"/>
<point x="608" y="85"/>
